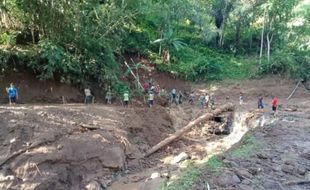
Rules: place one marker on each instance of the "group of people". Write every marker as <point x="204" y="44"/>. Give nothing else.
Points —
<point x="89" y="98"/>
<point x="174" y="97"/>
<point x="261" y="104"/>
<point x="155" y="90"/>
<point x="152" y="90"/>
<point x="205" y="100"/>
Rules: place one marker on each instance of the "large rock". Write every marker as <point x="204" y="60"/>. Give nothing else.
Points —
<point x="110" y="156"/>
<point x="244" y="174"/>
<point x="245" y="187"/>
<point x="287" y="169"/>
<point x="93" y="185"/>
<point x="305" y="155"/>
<point x="182" y="156"/>
<point x="228" y="179"/>
<point x="270" y="184"/>
<point x="153" y="184"/>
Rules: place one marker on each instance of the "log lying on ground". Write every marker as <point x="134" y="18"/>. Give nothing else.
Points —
<point x="90" y="127"/>
<point x="300" y="182"/>
<point x="208" y="116"/>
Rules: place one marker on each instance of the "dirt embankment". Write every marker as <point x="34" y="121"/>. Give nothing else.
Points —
<point x="32" y="90"/>
<point x="50" y="147"/>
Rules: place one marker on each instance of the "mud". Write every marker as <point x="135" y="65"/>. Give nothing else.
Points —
<point x="48" y="147"/>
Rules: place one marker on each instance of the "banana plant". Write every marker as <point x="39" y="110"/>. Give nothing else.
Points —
<point x="168" y="41"/>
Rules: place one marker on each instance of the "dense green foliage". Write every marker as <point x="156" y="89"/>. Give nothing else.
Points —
<point x="85" y="41"/>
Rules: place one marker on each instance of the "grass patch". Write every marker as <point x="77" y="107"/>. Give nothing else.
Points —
<point x="188" y="178"/>
<point x="192" y="175"/>
<point x="248" y="146"/>
<point x="214" y="164"/>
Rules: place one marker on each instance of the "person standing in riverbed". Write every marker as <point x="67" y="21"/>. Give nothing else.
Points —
<point x="241" y="98"/>
<point x="13" y="95"/>
<point x="151" y="99"/>
<point x="274" y="103"/>
<point x="260" y="103"/>
<point x="126" y="98"/>
<point x="192" y="98"/>
<point x="207" y="100"/>
<point x="108" y="97"/>
<point x="174" y="96"/>
<point x="88" y="96"/>
<point x="202" y="100"/>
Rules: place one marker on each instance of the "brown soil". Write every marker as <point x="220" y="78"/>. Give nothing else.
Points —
<point x="59" y="153"/>
<point x="76" y="146"/>
<point x="31" y="90"/>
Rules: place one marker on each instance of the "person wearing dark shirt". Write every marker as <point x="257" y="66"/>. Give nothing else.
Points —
<point x="260" y="103"/>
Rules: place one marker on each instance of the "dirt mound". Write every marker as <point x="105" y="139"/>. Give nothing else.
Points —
<point x="149" y="125"/>
<point x="70" y="146"/>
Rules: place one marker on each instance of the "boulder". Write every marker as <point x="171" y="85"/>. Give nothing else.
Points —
<point x="287" y="169"/>
<point x="93" y="185"/>
<point x="245" y="187"/>
<point x="228" y="179"/>
<point x="182" y="156"/>
<point x="76" y="150"/>
<point x="153" y="184"/>
<point x="242" y="173"/>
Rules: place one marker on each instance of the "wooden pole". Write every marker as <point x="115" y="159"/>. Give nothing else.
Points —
<point x="133" y="74"/>
<point x="176" y="135"/>
<point x="294" y="90"/>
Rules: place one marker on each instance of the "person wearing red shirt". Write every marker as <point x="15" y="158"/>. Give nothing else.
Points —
<point x="146" y="87"/>
<point x="274" y="103"/>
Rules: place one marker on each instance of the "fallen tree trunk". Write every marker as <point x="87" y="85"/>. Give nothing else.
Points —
<point x="179" y="133"/>
<point x="90" y="127"/>
<point x="300" y="182"/>
<point x="21" y="151"/>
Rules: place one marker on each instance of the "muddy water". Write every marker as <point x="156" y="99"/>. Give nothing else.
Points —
<point x="239" y="128"/>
